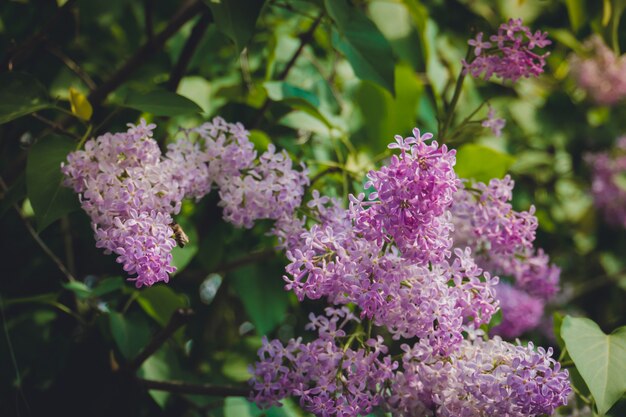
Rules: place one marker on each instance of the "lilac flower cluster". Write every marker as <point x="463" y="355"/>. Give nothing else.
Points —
<point x="332" y="378"/>
<point x="607" y="186"/>
<point x="131" y="191"/>
<point x="250" y="188"/>
<point x="495" y="124"/>
<point x="601" y="73"/>
<point x="483" y="378"/>
<point x="328" y="376"/>
<point x="389" y="254"/>
<point x="502" y="240"/>
<point x="406" y="281"/>
<point x="509" y="54"/>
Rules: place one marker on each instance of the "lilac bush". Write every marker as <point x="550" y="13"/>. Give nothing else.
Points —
<point x="397" y="258"/>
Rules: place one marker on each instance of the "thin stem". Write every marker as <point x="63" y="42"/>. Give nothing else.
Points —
<point x="40" y="242"/>
<point x="182" y="387"/>
<point x="141" y="56"/>
<point x="323" y="173"/>
<point x="252" y="258"/>
<point x="66" y="228"/>
<point x="179" y="318"/>
<point x="188" y="51"/>
<point x="305" y="38"/>
<point x="455" y="99"/>
<point x="54" y="126"/>
<point x="148" y="11"/>
<point x="72" y="65"/>
<point x="84" y="138"/>
<point x="11" y="58"/>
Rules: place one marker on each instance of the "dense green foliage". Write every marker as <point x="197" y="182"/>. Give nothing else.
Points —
<point x="329" y="81"/>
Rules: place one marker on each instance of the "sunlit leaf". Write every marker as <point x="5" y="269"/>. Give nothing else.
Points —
<point x="363" y="45"/>
<point x="600" y="359"/>
<point x="481" y="163"/>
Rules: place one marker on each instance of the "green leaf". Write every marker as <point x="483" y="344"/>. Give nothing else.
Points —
<point x="576" y="12"/>
<point x="385" y="116"/>
<point x="296" y="98"/>
<point x="107" y="286"/>
<point x="600" y="359"/>
<point x="264" y="299"/>
<point x="79" y="288"/>
<point x="21" y="94"/>
<point x="481" y="163"/>
<point x="182" y="256"/>
<point x="236" y="18"/>
<point x="49" y="198"/>
<point x="161" y="366"/>
<point x="160" y="301"/>
<point x="363" y="45"/>
<point x="161" y="103"/>
<point x="130" y="334"/>
<point x="557" y="320"/>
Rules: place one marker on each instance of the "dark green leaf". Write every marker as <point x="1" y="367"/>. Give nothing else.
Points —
<point x="264" y="298"/>
<point x="236" y="18"/>
<point x="481" y="163"/>
<point x="49" y="198"/>
<point x="161" y="103"/>
<point x="79" y="288"/>
<point x="600" y="359"/>
<point x="107" y="286"/>
<point x="160" y="301"/>
<point x="130" y="334"/>
<point x="363" y="45"/>
<point x="21" y="94"/>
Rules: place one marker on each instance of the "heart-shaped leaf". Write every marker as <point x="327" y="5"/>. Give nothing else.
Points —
<point x="600" y="359"/>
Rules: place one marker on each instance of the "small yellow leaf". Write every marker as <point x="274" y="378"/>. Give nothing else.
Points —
<point x="80" y="105"/>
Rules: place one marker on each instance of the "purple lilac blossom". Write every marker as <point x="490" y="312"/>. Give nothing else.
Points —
<point x="353" y="257"/>
<point x="483" y="378"/>
<point x="250" y="188"/>
<point x="327" y="375"/>
<point x="129" y="193"/>
<point x="335" y="376"/>
<point x="607" y="172"/>
<point x="400" y="279"/>
<point x="411" y="198"/>
<point x="520" y="311"/>
<point x="600" y="72"/>
<point x="502" y="240"/>
<point x="130" y="190"/>
<point x="493" y="123"/>
<point x="510" y="54"/>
